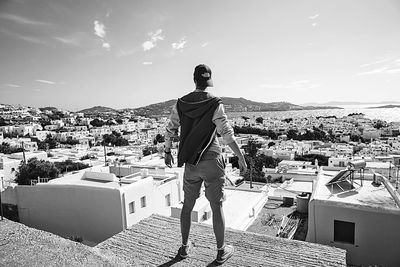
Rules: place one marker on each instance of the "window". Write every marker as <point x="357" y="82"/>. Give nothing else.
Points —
<point x="168" y="200"/>
<point x="343" y="232"/>
<point x="132" y="207"/>
<point x="143" y="201"/>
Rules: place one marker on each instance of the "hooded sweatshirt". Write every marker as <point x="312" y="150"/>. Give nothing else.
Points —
<point x="198" y="131"/>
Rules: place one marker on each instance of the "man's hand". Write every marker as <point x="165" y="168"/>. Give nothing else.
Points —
<point x="169" y="160"/>
<point x="242" y="165"/>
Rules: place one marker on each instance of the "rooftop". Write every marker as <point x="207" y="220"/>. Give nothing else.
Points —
<point x="367" y="197"/>
<point x="24" y="246"/>
<point x="155" y="241"/>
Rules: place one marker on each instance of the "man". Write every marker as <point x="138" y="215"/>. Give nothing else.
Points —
<point x="200" y="117"/>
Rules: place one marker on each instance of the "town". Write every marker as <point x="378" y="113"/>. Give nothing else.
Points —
<point x="298" y="166"/>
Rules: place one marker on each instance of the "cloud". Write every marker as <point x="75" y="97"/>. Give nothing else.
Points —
<point x="107" y="46"/>
<point x="374" y="71"/>
<point x="314" y="24"/>
<point x="99" y="29"/>
<point x="147" y="63"/>
<point x="375" y="62"/>
<point x="22" y="20"/>
<point x="46" y="81"/>
<point x="148" y="45"/>
<point x="30" y="39"/>
<point x="180" y="44"/>
<point x="205" y="44"/>
<point x="68" y="40"/>
<point x="382" y="66"/>
<point x="393" y="71"/>
<point x="313" y="16"/>
<point x="12" y="85"/>
<point x="155" y="37"/>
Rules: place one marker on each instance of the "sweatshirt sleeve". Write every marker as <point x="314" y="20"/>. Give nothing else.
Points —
<point x="171" y="130"/>
<point x="223" y="127"/>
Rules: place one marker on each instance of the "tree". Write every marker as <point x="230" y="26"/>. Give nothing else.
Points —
<point x="97" y="123"/>
<point x="271" y="144"/>
<point x="48" y="143"/>
<point x="160" y="138"/>
<point x="114" y="139"/>
<point x="292" y="134"/>
<point x="70" y="141"/>
<point x="5" y="148"/>
<point x="322" y="160"/>
<point x="69" y="165"/>
<point x="259" y="120"/>
<point x="33" y="169"/>
<point x="148" y="150"/>
<point x="3" y="122"/>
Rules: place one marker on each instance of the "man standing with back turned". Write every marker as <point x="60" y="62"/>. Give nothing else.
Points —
<point x="201" y="116"/>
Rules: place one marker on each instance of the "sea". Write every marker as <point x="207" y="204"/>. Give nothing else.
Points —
<point x="385" y="114"/>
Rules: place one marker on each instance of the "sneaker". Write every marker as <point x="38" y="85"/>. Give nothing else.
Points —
<point x="185" y="250"/>
<point x="224" y="254"/>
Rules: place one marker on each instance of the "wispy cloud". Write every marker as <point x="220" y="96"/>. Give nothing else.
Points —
<point x="68" y="40"/>
<point x="49" y="82"/>
<point x="205" y="44"/>
<point x="313" y="18"/>
<point x="45" y="81"/>
<point x="26" y="38"/>
<point x="375" y="62"/>
<point x="23" y="20"/>
<point x="374" y="71"/>
<point x="147" y="63"/>
<point x="12" y="85"/>
<point x="180" y="44"/>
<point x="382" y="66"/>
<point x="155" y="37"/>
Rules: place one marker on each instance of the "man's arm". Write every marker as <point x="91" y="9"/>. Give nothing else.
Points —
<point x="171" y="131"/>
<point x="225" y="130"/>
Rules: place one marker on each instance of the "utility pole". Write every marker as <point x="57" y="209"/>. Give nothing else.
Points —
<point x="23" y="152"/>
<point x="1" y="203"/>
<point x="105" y="155"/>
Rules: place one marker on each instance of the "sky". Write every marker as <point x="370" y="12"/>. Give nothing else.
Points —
<point x="75" y="54"/>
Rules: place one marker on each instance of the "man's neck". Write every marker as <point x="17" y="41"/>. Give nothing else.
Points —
<point x="198" y="88"/>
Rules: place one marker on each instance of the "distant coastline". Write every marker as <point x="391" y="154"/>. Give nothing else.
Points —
<point x="386" y="106"/>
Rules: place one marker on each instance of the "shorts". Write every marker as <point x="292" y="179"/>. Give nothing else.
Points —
<point x="211" y="171"/>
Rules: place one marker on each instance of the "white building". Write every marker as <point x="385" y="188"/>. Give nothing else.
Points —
<point x="364" y="220"/>
<point x="95" y="205"/>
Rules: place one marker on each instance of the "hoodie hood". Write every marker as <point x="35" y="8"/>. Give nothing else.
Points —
<point x="199" y="108"/>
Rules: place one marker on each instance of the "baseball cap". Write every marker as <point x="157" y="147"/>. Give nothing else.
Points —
<point x="202" y="75"/>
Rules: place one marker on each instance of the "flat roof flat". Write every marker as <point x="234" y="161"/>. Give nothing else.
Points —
<point x="366" y="197"/>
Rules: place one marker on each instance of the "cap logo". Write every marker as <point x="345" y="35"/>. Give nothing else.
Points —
<point x="206" y="75"/>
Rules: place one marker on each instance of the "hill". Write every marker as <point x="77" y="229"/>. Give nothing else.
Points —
<point x="231" y="105"/>
<point x="98" y="109"/>
<point x="387" y="106"/>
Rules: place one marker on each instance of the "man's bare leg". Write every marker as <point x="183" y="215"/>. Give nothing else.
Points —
<point x="186" y="219"/>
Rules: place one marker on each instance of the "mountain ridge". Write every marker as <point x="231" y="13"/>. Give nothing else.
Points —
<point x="231" y="104"/>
